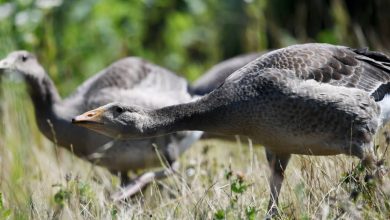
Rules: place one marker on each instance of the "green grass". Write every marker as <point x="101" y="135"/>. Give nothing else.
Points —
<point x="218" y="180"/>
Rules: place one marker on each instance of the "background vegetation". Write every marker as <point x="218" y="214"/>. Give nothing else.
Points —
<point x="74" y="39"/>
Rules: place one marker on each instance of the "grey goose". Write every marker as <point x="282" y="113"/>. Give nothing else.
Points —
<point x="130" y="80"/>
<point x="312" y="99"/>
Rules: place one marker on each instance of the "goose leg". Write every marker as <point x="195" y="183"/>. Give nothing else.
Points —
<point x="124" y="178"/>
<point x="278" y="164"/>
<point x="142" y="181"/>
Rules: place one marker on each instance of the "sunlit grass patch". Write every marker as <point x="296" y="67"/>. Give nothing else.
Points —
<point x="217" y="180"/>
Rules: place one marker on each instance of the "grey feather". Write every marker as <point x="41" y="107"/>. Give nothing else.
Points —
<point x="215" y="76"/>
<point x="314" y="99"/>
<point x="131" y="80"/>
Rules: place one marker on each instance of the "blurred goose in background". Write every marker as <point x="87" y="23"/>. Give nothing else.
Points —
<point x="217" y="74"/>
<point x="312" y="99"/>
<point x="132" y="81"/>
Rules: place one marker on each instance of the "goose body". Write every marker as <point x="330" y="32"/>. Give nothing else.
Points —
<point x="313" y="99"/>
<point x="130" y="80"/>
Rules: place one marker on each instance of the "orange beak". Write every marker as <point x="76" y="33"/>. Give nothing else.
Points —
<point x="89" y="118"/>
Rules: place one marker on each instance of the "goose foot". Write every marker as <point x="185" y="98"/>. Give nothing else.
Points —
<point x="139" y="183"/>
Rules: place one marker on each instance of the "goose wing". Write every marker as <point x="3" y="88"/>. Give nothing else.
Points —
<point x="150" y="97"/>
<point x="133" y="81"/>
<point x="215" y="76"/>
<point x="335" y="65"/>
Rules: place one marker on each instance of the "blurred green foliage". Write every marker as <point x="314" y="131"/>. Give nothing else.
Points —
<point x="75" y="39"/>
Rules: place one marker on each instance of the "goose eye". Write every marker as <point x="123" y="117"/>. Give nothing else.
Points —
<point x="24" y="58"/>
<point x="119" y="110"/>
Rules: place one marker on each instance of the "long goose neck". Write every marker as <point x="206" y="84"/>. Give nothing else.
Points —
<point x="54" y="117"/>
<point x="205" y="114"/>
<point x="42" y="92"/>
<point x="44" y="97"/>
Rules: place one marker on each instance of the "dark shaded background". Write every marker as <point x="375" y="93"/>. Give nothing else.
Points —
<point x="75" y="39"/>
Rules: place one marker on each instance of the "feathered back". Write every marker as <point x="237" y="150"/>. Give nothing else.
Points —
<point x="218" y="73"/>
<point x="336" y="65"/>
<point x="134" y="81"/>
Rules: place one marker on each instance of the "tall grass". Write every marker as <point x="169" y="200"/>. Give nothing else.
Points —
<point x="217" y="180"/>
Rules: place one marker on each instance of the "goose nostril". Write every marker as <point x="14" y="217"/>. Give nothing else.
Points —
<point x="90" y="114"/>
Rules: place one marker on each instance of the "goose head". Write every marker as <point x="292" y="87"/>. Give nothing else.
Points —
<point x="114" y="120"/>
<point x="22" y="62"/>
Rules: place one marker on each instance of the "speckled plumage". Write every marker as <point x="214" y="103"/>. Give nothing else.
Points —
<point x="314" y="99"/>
<point x="276" y="102"/>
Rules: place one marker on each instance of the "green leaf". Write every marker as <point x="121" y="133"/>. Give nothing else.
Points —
<point x="61" y="196"/>
<point x="6" y="214"/>
<point x="238" y="187"/>
<point x="1" y="201"/>
<point x="250" y="212"/>
<point x="220" y="214"/>
<point x="228" y="174"/>
<point x="114" y="213"/>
